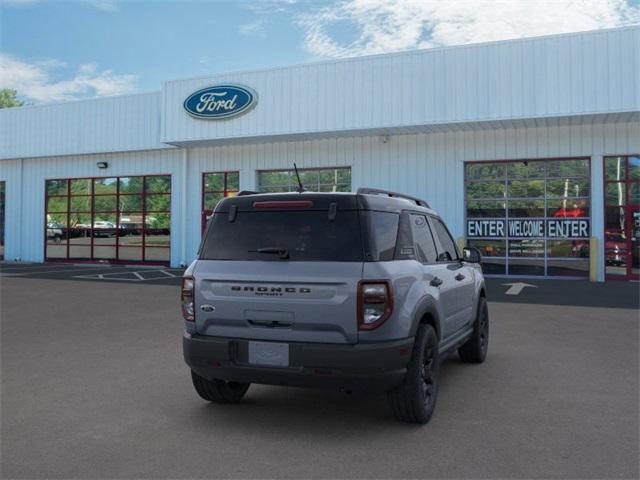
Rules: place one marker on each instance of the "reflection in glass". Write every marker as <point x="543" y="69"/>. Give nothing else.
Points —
<point x="568" y="208"/>
<point x="485" y="208"/>
<point x="493" y="266"/>
<point x="519" y="266"/>
<point x="56" y="250"/>
<point x="526" y="208"/>
<point x="568" y="248"/>
<point x="634" y="194"/>
<point x="130" y="237"/>
<point x="211" y="200"/>
<point x="80" y="186"/>
<point x="568" y="168"/>
<point x="485" y="171"/>
<point x="214" y="182"/>
<point x="79" y="252"/>
<point x="158" y="237"/>
<point x="233" y="180"/>
<point x="80" y="204"/>
<point x="568" y="268"/>
<point x="158" y="184"/>
<point x="614" y="168"/>
<point x="526" y="188"/>
<point x="130" y="203"/>
<point x="130" y="185"/>
<point x="489" y="248"/>
<point x="105" y="203"/>
<point x="526" y="248"/>
<point x="526" y="169"/>
<point x="569" y="187"/>
<point x="105" y="186"/>
<point x="615" y="219"/>
<point x="485" y="190"/>
<point x="158" y="203"/>
<point x="57" y="204"/>
<point x="56" y="187"/>
<point x="615" y="194"/>
<point x="104" y="252"/>
<point x="634" y="168"/>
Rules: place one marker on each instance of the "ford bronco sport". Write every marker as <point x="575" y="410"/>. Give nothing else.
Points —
<point x="355" y="291"/>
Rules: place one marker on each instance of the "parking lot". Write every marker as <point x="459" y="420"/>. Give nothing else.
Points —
<point x="94" y="386"/>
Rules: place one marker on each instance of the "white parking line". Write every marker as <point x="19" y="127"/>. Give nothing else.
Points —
<point x="32" y="272"/>
<point x="138" y="276"/>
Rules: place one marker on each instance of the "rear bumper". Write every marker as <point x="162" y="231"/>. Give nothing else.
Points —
<point x="372" y="367"/>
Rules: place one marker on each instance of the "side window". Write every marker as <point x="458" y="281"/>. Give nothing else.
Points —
<point x="423" y="241"/>
<point x="447" y="250"/>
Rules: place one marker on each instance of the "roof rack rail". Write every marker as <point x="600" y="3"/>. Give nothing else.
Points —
<point x="242" y="193"/>
<point x="376" y="191"/>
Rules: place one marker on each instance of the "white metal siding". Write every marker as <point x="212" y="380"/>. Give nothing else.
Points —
<point x="113" y="124"/>
<point x="558" y="76"/>
<point x="428" y="165"/>
<point x="25" y="230"/>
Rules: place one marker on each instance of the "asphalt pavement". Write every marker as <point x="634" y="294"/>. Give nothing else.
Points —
<point x="94" y="386"/>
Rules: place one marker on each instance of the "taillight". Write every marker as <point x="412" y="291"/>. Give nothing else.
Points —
<point x="375" y="303"/>
<point x="186" y="298"/>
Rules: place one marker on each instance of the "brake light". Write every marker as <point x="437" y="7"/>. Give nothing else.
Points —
<point x="375" y="303"/>
<point x="186" y="298"/>
<point x="284" y="204"/>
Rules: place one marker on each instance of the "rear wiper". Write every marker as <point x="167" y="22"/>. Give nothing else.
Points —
<point x="283" y="252"/>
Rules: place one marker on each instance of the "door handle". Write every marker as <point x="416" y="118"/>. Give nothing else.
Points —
<point x="436" y="282"/>
<point x="459" y="277"/>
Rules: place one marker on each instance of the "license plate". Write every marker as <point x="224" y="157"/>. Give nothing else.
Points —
<point x="269" y="353"/>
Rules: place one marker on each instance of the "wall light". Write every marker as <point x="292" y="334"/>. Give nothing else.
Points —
<point x="102" y="165"/>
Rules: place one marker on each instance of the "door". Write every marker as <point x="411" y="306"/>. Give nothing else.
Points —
<point x="461" y="276"/>
<point x="622" y="217"/>
<point x="437" y="275"/>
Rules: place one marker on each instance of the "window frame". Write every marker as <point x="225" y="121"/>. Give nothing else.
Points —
<point x="225" y="191"/>
<point x="506" y="178"/>
<point x="259" y="186"/>
<point x="117" y="230"/>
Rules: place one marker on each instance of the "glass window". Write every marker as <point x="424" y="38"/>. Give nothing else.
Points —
<point x="314" y="180"/>
<point x="545" y="202"/>
<point x="526" y="189"/>
<point x="634" y="168"/>
<point x="104" y="186"/>
<point x="568" y="208"/>
<point x="158" y="184"/>
<point x="615" y="168"/>
<point x="56" y="187"/>
<point x="615" y="193"/>
<point x="526" y="169"/>
<point x="302" y="236"/>
<point x="485" y="190"/>
<point x="215" y="187"/>
<point x="568" y="188"/>
<point x="80" y="186"/>
<point x="382" y="234"/>
<point x="526" y="248"/>
<point x="486" y="171"/>
<point x="526" y="208"/>
<point x="106" y="219"/>
<point x="568" y="168"/>
<point x="489" y="248"/>
<point x="485" y="208"/>
<point x="424" y="245"/>
<point x="447" y="250"/>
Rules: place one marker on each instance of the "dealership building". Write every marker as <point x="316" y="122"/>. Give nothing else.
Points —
<point x="529" y="149"/>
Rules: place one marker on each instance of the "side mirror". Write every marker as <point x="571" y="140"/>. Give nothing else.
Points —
<point x="471" y="255"/>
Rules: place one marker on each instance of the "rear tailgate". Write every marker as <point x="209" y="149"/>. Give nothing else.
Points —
<point x="285" y="301"/>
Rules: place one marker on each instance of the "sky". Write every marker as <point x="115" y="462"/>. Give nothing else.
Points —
<point x="55" y="50"/>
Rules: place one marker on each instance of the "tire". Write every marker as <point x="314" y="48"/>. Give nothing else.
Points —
<point x="475" y="349"/>
<point x="414" y="400"/>
<point x="219" y="391"/>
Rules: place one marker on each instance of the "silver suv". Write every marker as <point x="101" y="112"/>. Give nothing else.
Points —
<point x="361" y="291"/>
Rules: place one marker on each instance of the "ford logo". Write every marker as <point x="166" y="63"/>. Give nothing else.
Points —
<point x="220" y="101"/>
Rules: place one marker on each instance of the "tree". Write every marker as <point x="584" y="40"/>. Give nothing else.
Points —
<point x="8" y="98"/>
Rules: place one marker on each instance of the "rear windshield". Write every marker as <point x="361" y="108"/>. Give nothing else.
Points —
<point x="284" y="236"/>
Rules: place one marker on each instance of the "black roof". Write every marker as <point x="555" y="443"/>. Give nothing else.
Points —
<point x="364" y="199"/>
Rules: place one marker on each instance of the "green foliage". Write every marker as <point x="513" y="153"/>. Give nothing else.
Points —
<point x="8" y="98"/>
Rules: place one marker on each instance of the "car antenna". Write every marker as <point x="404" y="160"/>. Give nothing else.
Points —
<point x="300" y="186"/>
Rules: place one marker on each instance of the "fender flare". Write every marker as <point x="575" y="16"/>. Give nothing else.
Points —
<point x="426" y="305"/>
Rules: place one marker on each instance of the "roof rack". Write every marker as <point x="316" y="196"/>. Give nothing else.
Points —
<point x="242" y="193"/>
<point x="376" y="191"/>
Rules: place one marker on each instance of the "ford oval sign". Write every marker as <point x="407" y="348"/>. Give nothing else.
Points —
<point x="220" y="101"/>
